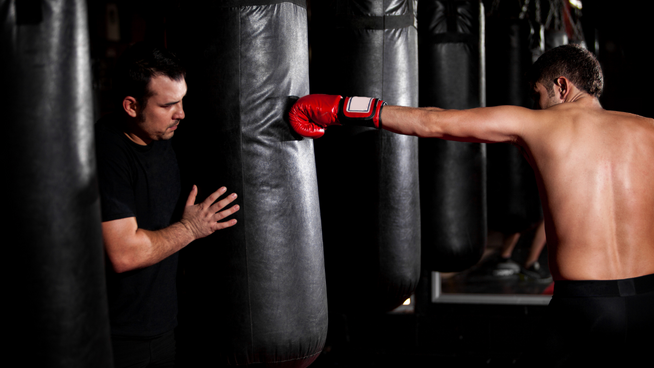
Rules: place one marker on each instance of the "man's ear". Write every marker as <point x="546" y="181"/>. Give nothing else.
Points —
<point x="563" y="87"/>
<point x="130" y="105"/>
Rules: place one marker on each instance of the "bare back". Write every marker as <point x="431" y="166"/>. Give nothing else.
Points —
<point x="595" y="169"/>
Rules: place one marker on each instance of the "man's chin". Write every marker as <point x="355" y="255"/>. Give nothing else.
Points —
<point x="170" y="132"/>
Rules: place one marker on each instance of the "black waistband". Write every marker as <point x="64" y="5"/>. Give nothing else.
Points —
<point x="589" y="288"/>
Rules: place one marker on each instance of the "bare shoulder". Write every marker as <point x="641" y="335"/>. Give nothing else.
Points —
<point x="542" y="125"/>
<point x="572" y="127"/>
<point x="632" y="128"/>
<point x="560" y="129"/>
<point x="615" y="122"/>
<point x="626" y="116"/>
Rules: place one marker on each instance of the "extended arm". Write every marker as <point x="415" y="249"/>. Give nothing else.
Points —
<point x="486" y="125"/>
<point x="491" y="124"/>
<point x="130" y="247"/>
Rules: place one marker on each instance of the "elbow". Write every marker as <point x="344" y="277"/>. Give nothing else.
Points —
<point x="120" y="266"/>
<point x="124" y="249"/>
<point x="123" y="263"/>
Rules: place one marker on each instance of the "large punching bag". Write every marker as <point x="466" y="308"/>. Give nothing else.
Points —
<point x="55" y="304"/>
<point x="513" y="202"/>
<point x="368" y="178"/>
<point x="452" y="174"/>
<point x="253" y="294"/>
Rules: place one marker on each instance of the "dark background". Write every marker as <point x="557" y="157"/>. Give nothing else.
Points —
<point x="435" y="334"/>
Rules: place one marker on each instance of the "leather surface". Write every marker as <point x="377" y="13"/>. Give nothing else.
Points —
<point x="254" y="293"/>
<point x="452" y="174"/>
<point x="369" y="178"/>
<point x="55" y="304"/>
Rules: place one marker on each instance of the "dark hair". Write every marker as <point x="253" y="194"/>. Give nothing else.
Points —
<point x="573" y="62"/>
<point x="138" y="65"/>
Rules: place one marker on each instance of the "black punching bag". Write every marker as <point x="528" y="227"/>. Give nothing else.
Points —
<point x="513" y="202"/>
<point x="253" y="294"/>
<point x="368" y="178"/>
<point x="452" y="174"/>
<point x="55" y="303"/>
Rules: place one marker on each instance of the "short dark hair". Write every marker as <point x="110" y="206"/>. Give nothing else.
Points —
<point x="138" y="65"/>
<point x="572" y="61"/>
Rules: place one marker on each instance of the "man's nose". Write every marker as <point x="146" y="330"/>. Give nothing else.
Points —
<point x="179" y="112"/>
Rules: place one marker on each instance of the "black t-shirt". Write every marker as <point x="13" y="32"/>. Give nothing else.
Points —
<point x="142" y="182"/>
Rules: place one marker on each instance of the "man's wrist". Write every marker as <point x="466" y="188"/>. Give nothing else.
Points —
<point x="187" y="228"/>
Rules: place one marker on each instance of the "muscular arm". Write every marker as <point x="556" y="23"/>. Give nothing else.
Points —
<point x="130" y="247"/>
<point x="312" y="114"/>
<point x="486" y="125"/>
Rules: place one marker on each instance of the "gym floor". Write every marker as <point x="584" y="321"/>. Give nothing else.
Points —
<point x="478" y="280"/>
<point x="444" y="334"/>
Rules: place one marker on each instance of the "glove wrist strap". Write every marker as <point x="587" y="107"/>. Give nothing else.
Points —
<point x="360" y="111"/>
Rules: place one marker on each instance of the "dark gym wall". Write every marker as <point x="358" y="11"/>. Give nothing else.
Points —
<point x="618" y="33"/>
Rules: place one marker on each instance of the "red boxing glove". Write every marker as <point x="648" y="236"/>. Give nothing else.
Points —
<point x="312" y="114"/>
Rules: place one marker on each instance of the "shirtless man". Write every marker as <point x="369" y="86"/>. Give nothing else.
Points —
<point x="595" y="172"/>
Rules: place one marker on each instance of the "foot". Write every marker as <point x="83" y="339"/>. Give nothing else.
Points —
<point x="536" y="273"/>
<point x="503" y="267"/>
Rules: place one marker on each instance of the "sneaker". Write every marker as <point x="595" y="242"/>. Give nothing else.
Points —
<point x="537" y="273"/>
<point x="503" y="267"/>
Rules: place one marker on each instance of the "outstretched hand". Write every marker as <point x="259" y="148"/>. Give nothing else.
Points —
<point x="203" y="219"/>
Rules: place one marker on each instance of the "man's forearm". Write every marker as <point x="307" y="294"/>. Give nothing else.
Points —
<point x="130" y="248"/>
<point x="165" y="242"/>
<point x="410" y="121"/>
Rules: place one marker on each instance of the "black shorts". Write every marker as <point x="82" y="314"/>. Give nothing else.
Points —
<point x="600" y="321"/>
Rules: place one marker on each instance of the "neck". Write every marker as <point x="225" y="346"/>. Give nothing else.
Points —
<point x="130" y="129"/>
<point x="577" y="95"/>
<point x="138" y="140"/>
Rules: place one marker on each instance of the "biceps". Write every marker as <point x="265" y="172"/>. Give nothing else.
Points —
<point x="485" y="125"/>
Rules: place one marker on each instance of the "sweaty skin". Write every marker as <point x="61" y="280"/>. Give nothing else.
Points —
<point x="594" y="170"/>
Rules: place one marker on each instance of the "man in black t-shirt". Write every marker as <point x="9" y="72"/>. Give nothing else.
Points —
<point x="139" y="189"/>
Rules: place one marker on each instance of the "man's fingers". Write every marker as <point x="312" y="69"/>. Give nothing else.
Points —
<point x="191" y="196"/>
<point x="228" y="212"/>
<point x="222" y="203"/>
<point x="212" y="198"/>
<point x="226" y="224"/>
